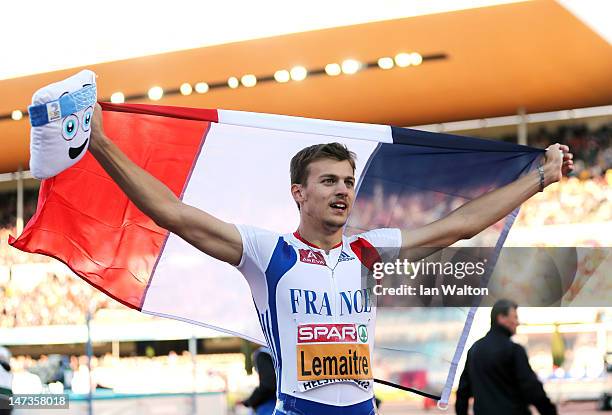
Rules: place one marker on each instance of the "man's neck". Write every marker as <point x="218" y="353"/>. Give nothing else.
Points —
<point x="501" y="329"/>
<point x="325" y="239"/>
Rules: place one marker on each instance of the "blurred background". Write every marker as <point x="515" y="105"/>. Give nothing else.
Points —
<point x="530" y="72"/>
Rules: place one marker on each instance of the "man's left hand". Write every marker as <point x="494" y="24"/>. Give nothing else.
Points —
<point x="558" y="162"/>
<point x="568" y="160"/>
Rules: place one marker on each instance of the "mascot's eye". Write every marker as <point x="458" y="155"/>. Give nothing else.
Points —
<point x="70" y="126"/>
<point x="87" y="118"/>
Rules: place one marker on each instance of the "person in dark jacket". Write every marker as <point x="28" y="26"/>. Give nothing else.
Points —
<point x="497" y="372"/>
<point x="263" y="397"/>
<point x="6" y="380"/>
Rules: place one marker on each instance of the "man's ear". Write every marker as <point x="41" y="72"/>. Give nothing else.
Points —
<point x="297" y="191"/>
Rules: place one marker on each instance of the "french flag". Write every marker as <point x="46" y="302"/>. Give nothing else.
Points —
<point x="235" y="165"/>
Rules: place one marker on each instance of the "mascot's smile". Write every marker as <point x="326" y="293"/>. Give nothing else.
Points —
<point x="74" y="152"/>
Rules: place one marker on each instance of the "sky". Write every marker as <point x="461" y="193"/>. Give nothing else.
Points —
<point x="42" y="36"/>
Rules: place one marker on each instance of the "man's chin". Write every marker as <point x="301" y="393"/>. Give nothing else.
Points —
<point x="337" y="222"/>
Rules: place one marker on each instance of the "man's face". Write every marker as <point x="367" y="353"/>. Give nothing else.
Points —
<point x="329" y="192"/>
<point x="511" y="321"/>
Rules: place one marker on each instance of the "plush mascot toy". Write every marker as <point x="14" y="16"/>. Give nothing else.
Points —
<point x="60" y="116"/>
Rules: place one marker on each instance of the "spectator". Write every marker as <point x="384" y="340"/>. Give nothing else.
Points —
<point x="263" y="397"/>
<point x="497" y="372"/>
<point x="6" y="381"/>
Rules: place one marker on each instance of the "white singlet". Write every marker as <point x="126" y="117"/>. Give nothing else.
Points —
<point x="316" y="314"/>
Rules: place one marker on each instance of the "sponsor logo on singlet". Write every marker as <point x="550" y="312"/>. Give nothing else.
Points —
<point x="345" y="257"/>
<point x="316" y="333"/>
<point x="311" y="257"/>
<point x="362" y="332"/>
<point x="328" y="353"/>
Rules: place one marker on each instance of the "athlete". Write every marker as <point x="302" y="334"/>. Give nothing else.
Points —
<point x="317" y="319"/>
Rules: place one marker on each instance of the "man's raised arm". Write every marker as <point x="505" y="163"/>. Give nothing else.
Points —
<point x="212" y="236"/>
<point x="482" y="212"/>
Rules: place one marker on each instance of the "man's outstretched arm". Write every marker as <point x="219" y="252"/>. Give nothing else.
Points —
<point x="212" y="236"/>
<point x="482" y="212"/>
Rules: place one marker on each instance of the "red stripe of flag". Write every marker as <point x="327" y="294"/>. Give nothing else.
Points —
<point x="84" y="219"/>
<point x="195" y="114"/>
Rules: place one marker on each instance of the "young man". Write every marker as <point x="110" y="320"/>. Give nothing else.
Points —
<point x="497" y="372"/>
<point x="316" y="317"/>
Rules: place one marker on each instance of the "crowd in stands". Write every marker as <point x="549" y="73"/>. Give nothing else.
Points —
<point x="10" y="256"/>
<point x="592" y="148"/>
<point x="51" y="300"/>
<point x="8" y="220"/>
<point x="571" y="201"/>
<point x="137" y="374"/>
<point x="8" y="207"/>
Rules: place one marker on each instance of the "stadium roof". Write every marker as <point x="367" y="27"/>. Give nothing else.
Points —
<point x="536" y="55"/>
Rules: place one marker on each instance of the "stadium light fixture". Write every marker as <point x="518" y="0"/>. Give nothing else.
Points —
<point x="403" y="59"/>
<point x="333" y="69"/>
<point x="385" y="63"/>
<point x="201" y="87"/>
<point x="233" y="82"/>
<point x="351" y="66"/>
<point x="156" y="93"/>
<point x="17" y="115"/>
<point x="415" y="59"/>
<point x="117" y="98"/>
<point x="282" y="76"/>
<point x="298" y="73"/>
<point x="186" y="89"/>
<point x="249" y="80"/>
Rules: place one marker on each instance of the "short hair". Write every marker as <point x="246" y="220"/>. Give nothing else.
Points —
<point x="503" y="307"/>
<point x="300" y="162"/>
